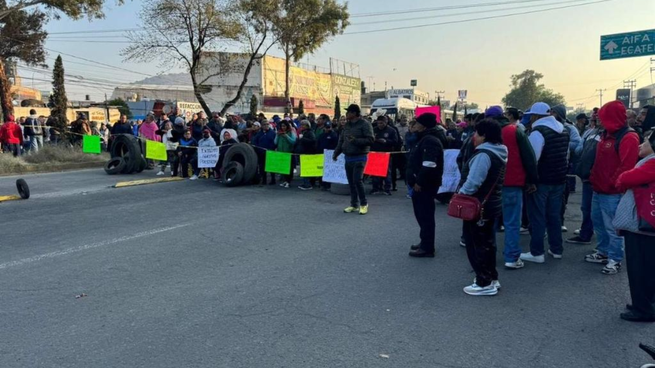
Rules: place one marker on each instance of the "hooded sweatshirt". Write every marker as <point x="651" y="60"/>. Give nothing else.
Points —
<point x="479" y="166"/>
<point x="483" y="176"/>
<point x="537" y="139"/>
<point x="10" y="133"/>
<point x="609" y="164"/>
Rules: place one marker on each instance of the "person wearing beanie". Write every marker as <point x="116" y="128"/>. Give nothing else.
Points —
<point x="635" y="217"/>
<point x="617" y="152"/>
<point x="11" y="136"/>
<point x="424" y="172"/>
<point x="355" y="142"/>
<point x="550" y="142"/>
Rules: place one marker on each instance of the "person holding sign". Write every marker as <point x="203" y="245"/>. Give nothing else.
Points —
<point x="424" y="172"/>
<point x="355" y="143"/>
<point x="285" y="140"/>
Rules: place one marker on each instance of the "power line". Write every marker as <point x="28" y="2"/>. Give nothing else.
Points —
<point x="98" y="31"/>
<point x="99" y="63"/>
<point x="475" y="19"/>
<point x="450" y="7"/>
<point x="469" y="13"/>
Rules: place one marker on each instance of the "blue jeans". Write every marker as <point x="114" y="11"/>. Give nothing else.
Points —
<point x="603" y="209"/>
<point x="512" y="210"/>
<point x="587" y="227"/>
<point x="544" y="208"/>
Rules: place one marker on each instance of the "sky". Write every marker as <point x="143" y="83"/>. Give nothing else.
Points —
<point x="479" y="56"/>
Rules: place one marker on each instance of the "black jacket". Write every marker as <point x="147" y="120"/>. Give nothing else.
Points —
<point x="425" y="165"/>
<point x="328" y="141"/>
<point x="390" y="137"/>
<point x="355" y="139"/>
<point x="306" y="144"/>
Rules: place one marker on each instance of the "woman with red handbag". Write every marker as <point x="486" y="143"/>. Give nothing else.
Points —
<point x="635" y="217"/>
<point x="481" y="177"/>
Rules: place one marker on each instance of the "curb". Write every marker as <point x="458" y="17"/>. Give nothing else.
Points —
<point x="9" y="198"/>
<point x="124" y="184"/>
<point x="56" y="168"/>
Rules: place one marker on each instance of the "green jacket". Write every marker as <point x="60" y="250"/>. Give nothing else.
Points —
<point x="355" y="139"/>
<point x="285" y="142"/>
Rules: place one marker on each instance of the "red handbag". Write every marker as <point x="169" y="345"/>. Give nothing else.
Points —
<point x="469" y="208"/>
<point x="645" y="203"/>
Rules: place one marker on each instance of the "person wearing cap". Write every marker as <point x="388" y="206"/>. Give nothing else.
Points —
<point x="385" y="141"/>
<point x="11" y="136"/>
<point x="581" y="122"/>
<point x="635" y="215"/>
<point x="550" y="142"/>
<point x="264" y="141"/>
<point x="207" y="140"/>
<point x="616" y="153"/>
<point x="187" y="150"/>
<point x="521" y="171"/>
<point x="423" y="174"/>
<point x="481" y="178"/>
<point x="355" y="143"/>
<point x="320" y="125"/>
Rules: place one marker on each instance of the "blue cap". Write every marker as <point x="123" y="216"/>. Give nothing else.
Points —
<point x="493" y="111"/>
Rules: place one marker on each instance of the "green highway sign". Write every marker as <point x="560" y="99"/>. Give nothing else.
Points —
<point x="627" y="45"/>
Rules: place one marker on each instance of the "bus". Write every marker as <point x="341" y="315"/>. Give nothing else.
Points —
<point x="394" y="107"/>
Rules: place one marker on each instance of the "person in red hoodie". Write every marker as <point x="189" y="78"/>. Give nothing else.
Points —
<point x="11" y="136"/>
<point x="616" y="153"/>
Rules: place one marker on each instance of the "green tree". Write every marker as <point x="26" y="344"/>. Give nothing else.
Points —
<point x="58" y="99"/>
<point x="253" y="105"/>
<point x="122" y="106"/>
<point x="526" y="90"/>
<point x="302" y="26"/>
<point x="301" y="107"/>
<point x="337" y="108"/>
<point x="22" y="35"/>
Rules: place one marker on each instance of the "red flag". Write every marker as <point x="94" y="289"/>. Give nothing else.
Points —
<point x="377" y="164"/>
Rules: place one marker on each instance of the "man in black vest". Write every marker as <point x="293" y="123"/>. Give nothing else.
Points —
<point x="424" y="172"/>
<point x="550" y="141"/>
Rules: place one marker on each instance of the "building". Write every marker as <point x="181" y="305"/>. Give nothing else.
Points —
<point x="645" y="96"/>
<point x="413" y="94"/>
<point x="141" y="92"/>
<point x="316" y="87"/>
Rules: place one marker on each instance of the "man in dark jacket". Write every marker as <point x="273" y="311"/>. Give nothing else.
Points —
<point x="424" y="172"/>
<point x="355" y="143"/>
<point x="386" y="140"/>
<point x="264" y="141"/>
<point x="550" y="143"/>
<point x="327" y="141"/>
<point x="306" y="145"/>
<point x="215" y="126"/>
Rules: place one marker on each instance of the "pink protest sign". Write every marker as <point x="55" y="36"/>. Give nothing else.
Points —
<point x="433" y="109"/>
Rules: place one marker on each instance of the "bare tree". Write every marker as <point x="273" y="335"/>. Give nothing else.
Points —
<point x="257" y="16"/>
<point x="181" y="32"/>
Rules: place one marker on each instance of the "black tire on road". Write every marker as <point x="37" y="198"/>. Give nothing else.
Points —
<point x="142" y="163"/>
<point x="130" y="164"/>
<point x="23" y="189"/>
<point x="244" y="154"/>
<point x="127" y="147"/>
<point x="340" y="189"/>
<point x="232" y="174"/>
<point x="114" y="166"/>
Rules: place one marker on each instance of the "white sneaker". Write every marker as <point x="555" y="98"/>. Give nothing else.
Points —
<point x="161" y="173"/>
<point x="564" y="229"/>
<point x="524" y="230"/>
<point x="528" y="257"/>
<point x="195" y="177"/>
<point x="462" y="244"/>
<point x="556" y="256"/>
<point x="515" y="265"/>
<point x="577" y="232"/>
<point x="476" y="290"/>
<point x="495" y="283"/>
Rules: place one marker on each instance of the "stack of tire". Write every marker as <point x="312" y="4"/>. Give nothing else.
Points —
<point x="126" y="156"/>
<point x="239" y="165"/>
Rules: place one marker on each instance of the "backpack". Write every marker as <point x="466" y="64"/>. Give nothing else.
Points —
<point x="588" y="155"/>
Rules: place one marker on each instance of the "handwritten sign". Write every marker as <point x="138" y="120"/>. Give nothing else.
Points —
<point x="377" y="164"/>
<point x="91" y="144"/>
<point x="156" y="151"/>
<point x="207" y="157"/>
<point x="278" y="162"/>
<point x="451" y="175"/>
<point x="311" y="166"/>
<point x="334" y="171"/>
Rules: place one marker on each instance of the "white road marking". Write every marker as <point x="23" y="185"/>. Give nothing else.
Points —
<point x="64" y="252"/>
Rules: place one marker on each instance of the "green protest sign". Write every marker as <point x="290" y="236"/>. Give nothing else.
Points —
<point x="278" y="162"/>
<point x="91" y="144"/>
<point x="156" y="151"/>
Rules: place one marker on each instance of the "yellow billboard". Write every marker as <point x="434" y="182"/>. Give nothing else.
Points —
<point x="303" y="84"/>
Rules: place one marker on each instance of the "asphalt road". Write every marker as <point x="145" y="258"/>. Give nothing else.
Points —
<point x="192" y="274"/>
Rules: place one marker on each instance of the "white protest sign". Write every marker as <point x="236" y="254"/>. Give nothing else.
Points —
<point x="334" y="171"/>
<point x="207" y="157"/>
<point x="451" y="175"/>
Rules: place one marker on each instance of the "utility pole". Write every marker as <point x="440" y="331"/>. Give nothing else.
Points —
<point x="439" y="93"/>
<point x="652" y="69"/>
<point x="631" y="84"/>
<point x="600" y="91"/>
